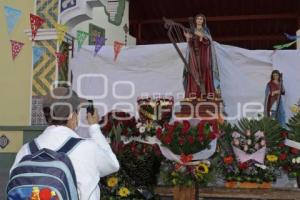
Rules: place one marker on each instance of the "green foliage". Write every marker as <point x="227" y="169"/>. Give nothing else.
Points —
<point x="294" y="127"/>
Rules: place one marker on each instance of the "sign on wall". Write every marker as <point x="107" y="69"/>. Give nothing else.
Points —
<point x="66" y="4"/>
<point x="95" y="31"/>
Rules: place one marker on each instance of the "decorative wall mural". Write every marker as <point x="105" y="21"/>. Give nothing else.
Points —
<point x="67" y="4"/>
<point x="48" y="10"/>
<point x="95" y="31"/>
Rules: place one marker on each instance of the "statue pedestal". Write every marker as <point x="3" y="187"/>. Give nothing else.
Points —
<point x="200" y="108"/>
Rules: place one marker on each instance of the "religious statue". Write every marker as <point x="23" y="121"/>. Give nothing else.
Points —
<point x="273" y="101"/>
<point x="201" y="75"/>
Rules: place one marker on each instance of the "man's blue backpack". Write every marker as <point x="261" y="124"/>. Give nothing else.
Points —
<point x="44" y="169"/>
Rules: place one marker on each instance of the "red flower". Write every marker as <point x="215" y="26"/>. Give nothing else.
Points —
<point x="191" y="139"/>
<point x="201" y="138"/>
<point x="186" y="126"/>
<point x="228" y="160"/>
<point x="168" y="139"/>
<point x="186" y="158"/>
<point x="181" y="140"/>
<point x="45" y="194"/>
<point x="294" y="151"/>
<point x="170" y="129"/>
<point x="243" y="165"/>
<point x="200" y="128"/>
<point x="282" y="156"/>
<point x="212" y="136"/>
<point x="281" y="144"/>
<point x="158" y="132"/>
<point x="284" y="134"/>
<point x="176" y="123"/>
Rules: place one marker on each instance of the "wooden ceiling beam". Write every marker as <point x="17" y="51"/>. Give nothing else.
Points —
<point x="224" y="18"/>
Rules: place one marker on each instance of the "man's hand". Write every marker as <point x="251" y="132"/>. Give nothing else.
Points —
<point x="93" y="119"/>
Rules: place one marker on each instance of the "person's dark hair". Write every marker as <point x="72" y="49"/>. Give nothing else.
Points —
<point x="275" y="72"/>
<point x="50" y="121"/>
<point x="204" y="19"/>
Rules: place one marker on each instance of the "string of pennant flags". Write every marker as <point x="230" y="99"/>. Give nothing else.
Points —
<point x="12" y="17"/>
<point x="292" y="38"/>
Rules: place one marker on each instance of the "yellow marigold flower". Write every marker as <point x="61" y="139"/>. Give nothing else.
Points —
<point x="295" y="109"/>
<point x="123" y="192"/>
<point x="202" y="168"/>
<point x="272" y="158"/>
<point x="112" y="181"/>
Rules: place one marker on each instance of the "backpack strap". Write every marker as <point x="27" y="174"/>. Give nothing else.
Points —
<point x="69" y="145"/>
<point x="33" y="147"/>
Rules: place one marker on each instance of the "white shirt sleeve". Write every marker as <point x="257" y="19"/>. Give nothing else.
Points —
<point x="96" y="135"/>
<point x="106" y="160"/>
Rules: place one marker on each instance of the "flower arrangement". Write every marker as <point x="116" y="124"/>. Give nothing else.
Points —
<point x="291" y="162"/>
<point x="155" y="109"/>
<point x="139" y="166"/>
<point x="174" y="174"/>
<point x="139" y="161"/>
<point x="186" y="142"/>
<point x="250" y="153"/>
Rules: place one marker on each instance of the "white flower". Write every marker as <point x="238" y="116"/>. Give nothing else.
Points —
<point x="263" y="143"/>
<point x="294" y="160"/>
<point x="206" y="162"/>
<point x="236" y="142"/>
<point x="259" y="134"/>
<point x="138" y="125"/>
<point x="249" y="142"/>
<point x="261" y="166"/>
<point x="246" y="148"/>
<point x="142" y="129"/>
<point x="298" y="160"/>
<point x="235" y="135"/>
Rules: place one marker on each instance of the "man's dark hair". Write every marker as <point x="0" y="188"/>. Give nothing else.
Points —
<point x="50" y="121"/>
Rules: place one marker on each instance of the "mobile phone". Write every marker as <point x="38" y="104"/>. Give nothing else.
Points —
<point x="90" y="108"/>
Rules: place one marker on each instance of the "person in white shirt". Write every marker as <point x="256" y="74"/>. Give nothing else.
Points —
<point x="92" y="158"/>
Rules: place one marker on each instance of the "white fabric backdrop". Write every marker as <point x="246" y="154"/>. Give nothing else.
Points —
<point x="157" y="69"/>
